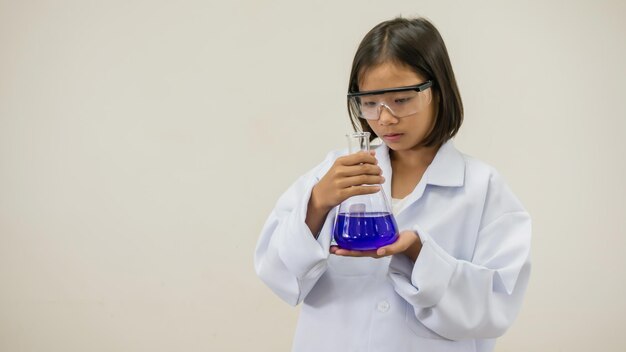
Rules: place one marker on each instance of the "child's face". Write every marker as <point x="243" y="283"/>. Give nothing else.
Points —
<point x="398" y="133"/>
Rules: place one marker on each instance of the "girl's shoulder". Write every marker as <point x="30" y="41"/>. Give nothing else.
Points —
<point x="480" y="170"/>
<point x="482" y="175"/>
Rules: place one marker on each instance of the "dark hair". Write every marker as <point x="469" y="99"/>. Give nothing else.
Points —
<point x="417" y="44"/>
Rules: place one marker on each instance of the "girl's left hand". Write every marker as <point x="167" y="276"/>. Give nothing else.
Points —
<point x="408" y="242"/>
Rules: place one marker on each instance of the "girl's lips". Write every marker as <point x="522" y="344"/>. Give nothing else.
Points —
<point x="392" y="137"/>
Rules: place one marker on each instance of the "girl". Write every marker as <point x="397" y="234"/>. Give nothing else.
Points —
<point x="455" y="278"/>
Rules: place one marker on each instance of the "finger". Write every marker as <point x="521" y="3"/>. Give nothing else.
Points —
<point x="346" y="252"/>
<point x="360" y="180"/>
<point x="357" y="158"/>
<point x="358" y="190"/>
<point x="404" y="241"/>
<point x="388" y="250"/>
<point x="353" y="253"/>
<point x="360" y="169"/>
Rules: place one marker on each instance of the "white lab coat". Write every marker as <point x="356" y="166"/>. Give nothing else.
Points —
<point x="464" y="290"/>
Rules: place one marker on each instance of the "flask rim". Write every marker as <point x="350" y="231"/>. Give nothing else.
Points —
<point x="358" y="134"/>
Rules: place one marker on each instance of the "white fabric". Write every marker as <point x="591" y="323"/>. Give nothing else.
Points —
<point x="397" y="205"/>
<point x="464" y="290"/>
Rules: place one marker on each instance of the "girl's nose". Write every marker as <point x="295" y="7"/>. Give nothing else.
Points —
<point x="386" y="117"/>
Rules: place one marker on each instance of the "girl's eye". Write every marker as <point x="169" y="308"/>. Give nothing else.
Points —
<point x="368" y="104"/>
<point x="402" y="100"/>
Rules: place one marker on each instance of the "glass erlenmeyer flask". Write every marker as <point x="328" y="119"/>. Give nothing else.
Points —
<point x="364" y="222"/>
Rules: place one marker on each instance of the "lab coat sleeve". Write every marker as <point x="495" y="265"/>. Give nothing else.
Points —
<point x="288" y="258"/>
<point x="460" y="299"/>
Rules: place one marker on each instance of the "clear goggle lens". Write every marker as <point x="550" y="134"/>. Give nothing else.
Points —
<point x="399" y="103"/>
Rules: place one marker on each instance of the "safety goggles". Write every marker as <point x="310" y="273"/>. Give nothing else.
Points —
<point x="400" y="101"/>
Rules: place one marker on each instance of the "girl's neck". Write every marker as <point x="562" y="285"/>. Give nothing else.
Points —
<point x="419" y="157"/>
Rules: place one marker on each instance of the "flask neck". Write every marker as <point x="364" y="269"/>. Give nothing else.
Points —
<point x="358" y="142"/>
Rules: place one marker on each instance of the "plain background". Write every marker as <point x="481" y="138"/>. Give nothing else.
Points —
<point x="143" y="144"/>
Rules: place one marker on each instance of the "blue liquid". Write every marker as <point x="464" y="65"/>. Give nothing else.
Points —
<point x="365" y="231"/>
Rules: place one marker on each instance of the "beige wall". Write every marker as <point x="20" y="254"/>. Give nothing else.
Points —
<point x="142" y="145"/>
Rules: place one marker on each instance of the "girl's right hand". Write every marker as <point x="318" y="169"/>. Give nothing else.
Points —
<point x="346" y="178"/>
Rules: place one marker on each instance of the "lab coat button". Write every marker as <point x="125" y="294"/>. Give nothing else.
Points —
<point x="383" y="306"/>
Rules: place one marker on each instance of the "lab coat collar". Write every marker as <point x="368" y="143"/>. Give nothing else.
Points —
<point x="447" y="168"/>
